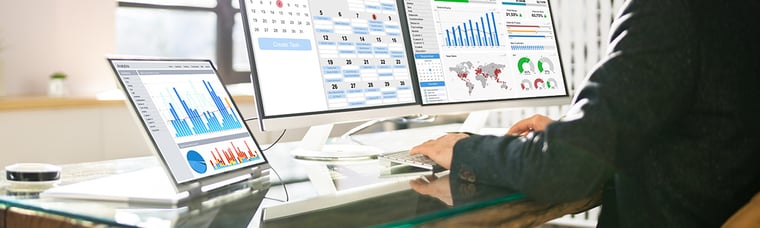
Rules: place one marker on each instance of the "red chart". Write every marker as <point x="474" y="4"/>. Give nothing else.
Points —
<point x="232" y="154"/>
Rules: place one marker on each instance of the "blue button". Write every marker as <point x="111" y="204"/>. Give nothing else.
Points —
<point x="427" y="56"/>
<point x="284" y="44"/>
<point x="433" y="84"/>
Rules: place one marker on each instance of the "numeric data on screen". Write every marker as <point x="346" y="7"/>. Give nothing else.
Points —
<point x="190" y="116"/>
<point x="468" y="50"/>
<point x="330" y="55"/>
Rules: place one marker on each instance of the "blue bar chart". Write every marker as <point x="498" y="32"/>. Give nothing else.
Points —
<point x="214" y="119"/>
<point x="480" y="32"/>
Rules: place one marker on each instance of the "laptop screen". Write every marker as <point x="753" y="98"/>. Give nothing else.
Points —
<point x="189" y="115"/>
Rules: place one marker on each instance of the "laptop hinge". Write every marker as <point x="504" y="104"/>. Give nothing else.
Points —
<point x="194" y="191"/>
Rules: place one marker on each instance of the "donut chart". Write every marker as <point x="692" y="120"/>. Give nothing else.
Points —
<point x="521" y="66"/>
<point x="545" y="65"/>
<point x="551" y="83"/>
<point x="538" y="83"/>
<point x="526" y="84"/>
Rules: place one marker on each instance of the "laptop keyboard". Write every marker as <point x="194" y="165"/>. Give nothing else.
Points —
<point x="403" y="157"/>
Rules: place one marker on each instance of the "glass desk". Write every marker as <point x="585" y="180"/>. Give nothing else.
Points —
<point x="411" y="201"/>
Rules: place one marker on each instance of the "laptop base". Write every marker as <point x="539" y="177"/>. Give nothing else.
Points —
<point x="150" y="186"/>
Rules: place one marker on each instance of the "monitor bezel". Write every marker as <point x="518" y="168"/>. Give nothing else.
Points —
<point x="252" y="169"/>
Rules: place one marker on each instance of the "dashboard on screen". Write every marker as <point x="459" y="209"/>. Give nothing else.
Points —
<point x="470" y="51"/>
<point x="190" y="117"/>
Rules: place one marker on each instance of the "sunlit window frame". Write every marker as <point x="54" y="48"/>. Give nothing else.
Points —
<point x="225" y="15"/>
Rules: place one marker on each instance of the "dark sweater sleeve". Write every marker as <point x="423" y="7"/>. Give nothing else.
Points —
<point x="642" y="84"/>
<point x="520" y="163"/>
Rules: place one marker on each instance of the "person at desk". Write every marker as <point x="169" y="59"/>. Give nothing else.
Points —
<point x="663" y="127"/>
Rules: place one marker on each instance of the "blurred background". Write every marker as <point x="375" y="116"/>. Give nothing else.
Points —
<point x="90" y="121"/>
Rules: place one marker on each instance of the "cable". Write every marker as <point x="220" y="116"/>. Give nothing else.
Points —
<point x="287" y="195"/>
<point x="275" y="141"/>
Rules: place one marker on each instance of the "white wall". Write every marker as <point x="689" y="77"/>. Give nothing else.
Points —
<point x="72" y="135"/>
<point x="44" y="36"/>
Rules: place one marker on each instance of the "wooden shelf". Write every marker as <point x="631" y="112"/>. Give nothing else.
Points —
<point x="29" y="103"/>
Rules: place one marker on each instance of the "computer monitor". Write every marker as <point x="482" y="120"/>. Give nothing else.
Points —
<point x="484" y="55"/>
<point x="315" y="63"/>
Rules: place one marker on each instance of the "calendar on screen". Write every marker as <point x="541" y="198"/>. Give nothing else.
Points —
<point x="354" y="49"/>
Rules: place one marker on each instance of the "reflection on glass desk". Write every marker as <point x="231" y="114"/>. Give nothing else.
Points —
<point x="405" y="199"/>
<point x="241" y="206"/>
<point x="422" y="200"/>
<point x="216" y="209"/>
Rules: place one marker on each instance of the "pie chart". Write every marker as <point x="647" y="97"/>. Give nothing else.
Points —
<point x="196" y="161"/>
<point x="521" y="67"/>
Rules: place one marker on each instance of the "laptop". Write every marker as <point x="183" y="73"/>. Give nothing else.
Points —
<point x="196" y="131"/>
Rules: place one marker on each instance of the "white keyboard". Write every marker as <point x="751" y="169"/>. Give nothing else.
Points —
<point x="403" y="157"/>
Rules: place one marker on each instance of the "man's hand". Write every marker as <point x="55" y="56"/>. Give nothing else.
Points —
<point x="533" y="123"/>
<point x="440" y="150"/>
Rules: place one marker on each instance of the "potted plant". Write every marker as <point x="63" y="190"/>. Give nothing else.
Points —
<point x="57" y="87"/>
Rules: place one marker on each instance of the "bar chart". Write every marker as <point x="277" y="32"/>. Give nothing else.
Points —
<point x="190" y="121"/>
<point x="531" y="37"/>
<point x="224" y="156"/>
<point x="474" y="32"/>
<point x="529" y="31"/>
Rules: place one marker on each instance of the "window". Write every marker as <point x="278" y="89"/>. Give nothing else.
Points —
<point x="239" y="50"/>
<point x="185" y="28"/>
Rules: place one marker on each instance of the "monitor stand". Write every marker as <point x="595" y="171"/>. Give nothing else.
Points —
<point x="313" y="147"/>
<point x="475" y="122"/>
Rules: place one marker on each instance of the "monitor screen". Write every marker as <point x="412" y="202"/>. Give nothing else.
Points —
<point x="312" y="58"/>
<point x="189" y="116"/>
<point x="477" y="51"/>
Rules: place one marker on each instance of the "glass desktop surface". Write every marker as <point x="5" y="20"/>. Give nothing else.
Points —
<point x="241" y="206"/>
<point x="243" y="209"/>
<point x="219" y="211"/>
<point x="404" y="208"/>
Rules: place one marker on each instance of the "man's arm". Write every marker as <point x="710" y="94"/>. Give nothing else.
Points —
<point x="645" y="83"/>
